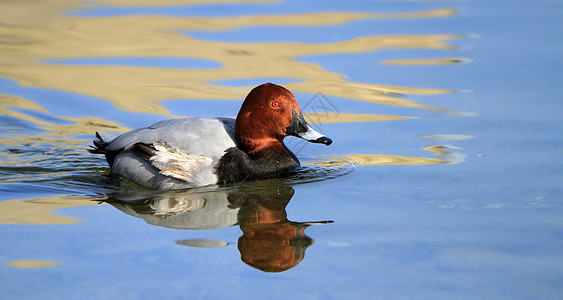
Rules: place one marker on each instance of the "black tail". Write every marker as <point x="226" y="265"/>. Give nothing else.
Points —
<point x="99" y="145"/>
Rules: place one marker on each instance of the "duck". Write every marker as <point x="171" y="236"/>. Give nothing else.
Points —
<point x="199" y="151"/>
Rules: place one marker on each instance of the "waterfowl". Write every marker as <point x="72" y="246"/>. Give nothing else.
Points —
<point x="199" y="151"/>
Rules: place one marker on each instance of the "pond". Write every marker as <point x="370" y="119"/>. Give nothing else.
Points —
<point x="444" y="180"/>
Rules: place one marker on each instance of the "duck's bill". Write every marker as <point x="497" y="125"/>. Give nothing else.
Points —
<point x="301" y="129"/>
<point x="314" y="136"/>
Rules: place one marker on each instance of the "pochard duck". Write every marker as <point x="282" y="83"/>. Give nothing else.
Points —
<point x="199" y="151"/>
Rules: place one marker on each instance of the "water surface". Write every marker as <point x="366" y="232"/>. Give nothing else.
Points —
<point x="443" y="181"/>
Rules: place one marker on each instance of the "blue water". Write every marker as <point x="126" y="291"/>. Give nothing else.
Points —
<point x="486" y="225"/>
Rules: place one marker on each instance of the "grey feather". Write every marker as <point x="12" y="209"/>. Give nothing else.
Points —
<point x="197" y="136"/>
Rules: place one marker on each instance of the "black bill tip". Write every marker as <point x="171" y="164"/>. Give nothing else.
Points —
<point x="323" y="140"/>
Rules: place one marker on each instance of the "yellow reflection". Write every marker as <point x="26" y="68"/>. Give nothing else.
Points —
<point x="425" y="61"/>
<point x="377" y="159"/>
<point x="443" y="150"/>
<point x="84" y="125"/>
<point x="374" y="93"/>
<point x="35" y="32"/>
<point x="32" y="263"/>
<point x="7" y="101"/>
<point x="322" y="118"/>
<point x="40" y="210"/>
<point x="177" y="2"/>
<point x="437" y="149"/>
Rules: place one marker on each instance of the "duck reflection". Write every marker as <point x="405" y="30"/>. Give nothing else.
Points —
<point x="270" y="242"/>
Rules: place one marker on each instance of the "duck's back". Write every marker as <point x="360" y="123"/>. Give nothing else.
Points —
<point x="198" y="136"/>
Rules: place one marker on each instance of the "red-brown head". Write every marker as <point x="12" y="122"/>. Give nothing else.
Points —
<point x="269" y="114"/>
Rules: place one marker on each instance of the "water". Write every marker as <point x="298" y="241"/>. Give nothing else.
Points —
<point x="443" y="181"/>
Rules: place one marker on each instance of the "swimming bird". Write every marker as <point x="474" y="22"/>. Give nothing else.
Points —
<point x="199" y="151"/>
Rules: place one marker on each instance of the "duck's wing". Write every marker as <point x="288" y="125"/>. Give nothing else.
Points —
<point x="178" y="164"/>
<point x="175" y="153"/>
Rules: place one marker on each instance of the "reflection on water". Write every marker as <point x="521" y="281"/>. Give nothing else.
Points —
<point x="53" y="35"/>
<point x="270" y="242"/>
<point x="327" y="117"/>
<point x="31" y="263"/>
<point x="40" y="210"/>
<point x="202" y="243"/>
<point x="195" y="209"/>
<point x="425" y="61"/>
<point x="55" y="125"/>
<point x="377" y="159"/>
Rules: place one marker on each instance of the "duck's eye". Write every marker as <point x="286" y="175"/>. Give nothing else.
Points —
<point x="275" y="104"/>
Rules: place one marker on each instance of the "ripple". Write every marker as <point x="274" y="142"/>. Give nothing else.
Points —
<point x="308" y="173"/>
<point x="35" y="165"/>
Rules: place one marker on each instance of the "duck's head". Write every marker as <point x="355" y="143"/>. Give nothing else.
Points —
<point x="268" y="114"/>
